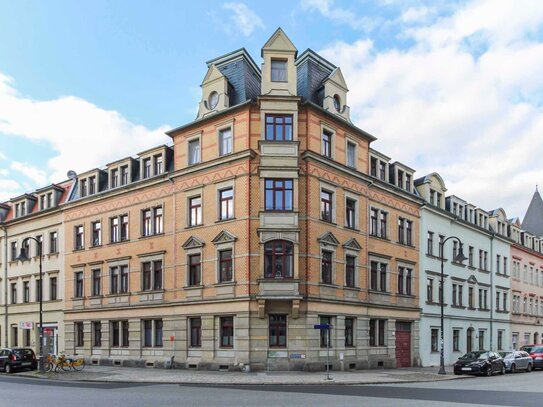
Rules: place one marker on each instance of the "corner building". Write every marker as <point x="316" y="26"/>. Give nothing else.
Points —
<point x="271" y="220"/>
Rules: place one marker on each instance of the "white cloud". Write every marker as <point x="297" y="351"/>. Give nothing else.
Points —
<point x="8" y="189"/>
<point x="340" y="15"/>
<point x="244" y="19"/>
<point x="82" y="135"/>
<point x="465" y="100"/>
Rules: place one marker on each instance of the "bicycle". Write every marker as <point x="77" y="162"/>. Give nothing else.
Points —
<point x="61" y="362"/>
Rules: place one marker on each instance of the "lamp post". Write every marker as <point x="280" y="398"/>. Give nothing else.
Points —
<point x="23" y="256"/>
<point x="459" y="258"/>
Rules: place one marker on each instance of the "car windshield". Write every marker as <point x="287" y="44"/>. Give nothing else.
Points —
<point x="507" y="355"/>
<point x="475" y="355"/>
<point x="527" y="348"/>
<point x="536" y="349"/>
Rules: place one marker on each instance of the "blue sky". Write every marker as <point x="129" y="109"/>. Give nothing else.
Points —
<point x="452" y="87"/>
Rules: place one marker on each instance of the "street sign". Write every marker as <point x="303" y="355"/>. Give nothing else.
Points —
<point x="323" y="326"/>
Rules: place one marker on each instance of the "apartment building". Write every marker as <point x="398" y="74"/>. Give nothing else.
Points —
<point x="263" y="219"/>
<point x="476" y="293"/>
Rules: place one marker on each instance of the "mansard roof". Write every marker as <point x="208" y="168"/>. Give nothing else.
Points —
<point x="533" y="220"/>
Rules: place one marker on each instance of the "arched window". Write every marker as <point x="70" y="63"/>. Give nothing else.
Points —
<point x="278" y="259"/>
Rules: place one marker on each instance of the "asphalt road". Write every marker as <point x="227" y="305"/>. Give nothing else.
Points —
<point x="520" y="389"/>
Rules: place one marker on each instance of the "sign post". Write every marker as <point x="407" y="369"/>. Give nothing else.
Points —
<point x="327" y="328"/>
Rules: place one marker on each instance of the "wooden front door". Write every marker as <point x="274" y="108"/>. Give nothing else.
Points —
<point x="403" y="344"/>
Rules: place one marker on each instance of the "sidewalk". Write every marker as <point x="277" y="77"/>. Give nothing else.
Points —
<point x="163" y="376"/>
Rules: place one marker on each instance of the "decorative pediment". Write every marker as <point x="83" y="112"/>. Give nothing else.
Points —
<point x="212" y="74"/>
<point x="337" y="77"/>
<point x="352" y="244"/>
<point x="472" y="280"/>
<point x="224" y="237"/>
<point x="279" y="42"/>
<point x="193" y="243"/>
<point x="328" y="238"/>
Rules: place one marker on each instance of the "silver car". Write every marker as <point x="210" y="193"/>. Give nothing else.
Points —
<point x="517" y="360"/>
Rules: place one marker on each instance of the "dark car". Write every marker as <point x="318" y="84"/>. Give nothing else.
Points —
<point x="536" y="352"/>
<point x="12" y="359"/>
<point x="480" y="362"/>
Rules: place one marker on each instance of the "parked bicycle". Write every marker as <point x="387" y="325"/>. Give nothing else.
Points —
<point x="64" y="363"/>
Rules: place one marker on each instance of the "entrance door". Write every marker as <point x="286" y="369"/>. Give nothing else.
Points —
<point x="403" y="344"/>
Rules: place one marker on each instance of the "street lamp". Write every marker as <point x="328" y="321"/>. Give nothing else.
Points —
<point x="23" y="256"/>
<point x="459" y="258"/>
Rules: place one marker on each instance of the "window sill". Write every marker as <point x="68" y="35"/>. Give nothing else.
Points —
<point x="483" y="309"/>
<point x="95" y="246"/>
<point x="330" y="222"/>
<point x="78" y="249"/>
<point x="49" y="255"/>
<point x="96" y="296"/>
<point x="329" y="285"/>
<point x="151" y="236"/>
<point x="118" y="294"/>
<point x="379" y="292"/>
<point x="276" y="279"/>
<point x="455" y="263"/>
<point x="119" y="242"/>
<point x="353" y="229"/>
<point x="483" y="271"/>
<point x="225" y="220"/>
<point x="406" y="295"/>
<point x="351" y="288"/>
<point x="155" y="291"/>
<point x="194" y="226"/>
<point x="458" y="306"/>
<point x="472" y="268"/>
<point x="502" y="312"/>
<point x="224" y="284"/>
<point x="472" y="308"/>
<point x="193" y="287"/>
<point x="380" y="238"/>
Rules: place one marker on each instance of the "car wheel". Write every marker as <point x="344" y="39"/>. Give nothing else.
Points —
<point x="488" y="371"/>
<point x="8" y="369"/>
<point x="529" y="368"/>
<point x="513" y="368"/>
<point x="502" y="371"/>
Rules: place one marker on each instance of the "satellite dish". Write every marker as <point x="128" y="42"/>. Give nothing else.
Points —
<point x="72" y="174"/>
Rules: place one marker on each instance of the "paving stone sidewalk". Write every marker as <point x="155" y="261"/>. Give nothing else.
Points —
<point x="157" y="376"/>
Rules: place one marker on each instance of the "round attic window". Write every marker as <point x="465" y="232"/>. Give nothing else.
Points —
<point x="337" y="102"/>
<point x="213" y="100"/>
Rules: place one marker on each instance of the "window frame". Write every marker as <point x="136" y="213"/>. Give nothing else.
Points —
<point x="286" y="257"/>
<point x="275" y="330"/>
<point x="287" y="129"/>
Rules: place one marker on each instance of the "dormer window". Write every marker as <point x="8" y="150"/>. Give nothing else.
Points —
<point x="382" y="170"/>
<point x="146" y="168"/>
<point x="159" y="164"/>
<point x="83" y="192"/>
<point x="337" y="103"/>
<point x="114" y="178"/>
<point x="408" y="182"/>
<point x="23" y="208"/>
<point x="92" y="185"/>
<point x="278" y="70"/>
<point x="124" y="175"/>
<point x="213" y="100"/>
<point x="42" y="202"/>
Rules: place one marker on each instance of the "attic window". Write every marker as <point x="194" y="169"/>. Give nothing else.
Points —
<point x="278" y="70"/>
<point x="213" y="100"/>
<point x="337" y="103"/>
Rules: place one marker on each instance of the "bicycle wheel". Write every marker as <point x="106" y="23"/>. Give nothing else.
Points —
<point x="66" y="365"/>
<point x="48" y="367"/>
<point x="78" y="364"/>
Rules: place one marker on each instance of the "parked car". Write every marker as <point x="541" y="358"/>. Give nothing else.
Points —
<point x="536" y="352"/>
<point x="12" y="359"/>
<point x="480" y="362"/>
<point x="516" y="360"/>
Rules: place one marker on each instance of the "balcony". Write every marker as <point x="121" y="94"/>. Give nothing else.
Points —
<point x="278" y="220"/>
<point x="278" y="289"/>
<point x="278" y="154"/>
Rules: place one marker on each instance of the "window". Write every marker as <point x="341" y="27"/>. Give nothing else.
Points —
<point x="194" y="269"/>
<point x="38" y="290"/>
<point x="377" y="332"/>
<point x="118" y="283"/>
<point x="97" y="334"/>
<point x="278" y="127"/>
<point x="147" y="167"/>
<point x="350" y="213"/>
<point x="96" y="283"/>
<point x="39" y="245"/>
<point x="471" y="299"/>
<point x="226" y="204"/>
<point x="225" y="141"/>
<point x="378" y="276"/>
<point x="79" y="334"/>
<point x="124" y="228"/>
<point x="151" y="275"/>
<point x="481" y="340"/>
<point x="405" y="276"/>
<point x="92" y="185"/>
<point x="278" y="259"/>
<point x="327" y="144"/>
<point x="349" y="332"/>
<point x="14" y="253"/>
<point x="382" y="170"/>
<point x="78" y="292"/>
<point x="14" y="336"/>
<point x="278" y="194"/>
<point x="326" y="206"/>
<point x="500" y="340"/>
<point x="430" y="244"/>
<point x="325" y="334"/>
<point x="115" y="334"/>
<point x="114" y="174"/>
<point x="378" y="223"/>
<point x="79" y="238"/>
<point x="82" y="193"/>
<point x="350" y="271"/>
<point x="409" y="233"/>
<point x="96" y="233"/>
<point x="152" y="222"/>
<point x="401" y="231"/>
<point x="26" y="291"/>
<point x="277" y="331"/>
<point x="225" y="265"/>
<point x="124" y="175"/>
<point x="195" y="326"/>
<point x="226" y="332"/>
<point x="195" y="211"/>
<point x="456" y="340"/>
<point x="194" y="151"/>
<point x="53" y="288"/>
<point x="152" y="333"/>
<point x="278" y="70"/>
<point x="408" y="182"/>
<point x="351" y="154"/>
<point x="470" y="256"/>
<point x="434" y="340"/>
<point x="498" y="263"/>
<point x="326" y="267"/>
<point x="114" y="229"/>
<point x="504" y="298"/>
<point x="53" y="242"/>
<point x="158" y="164"/>
<point x="430" y="290"/>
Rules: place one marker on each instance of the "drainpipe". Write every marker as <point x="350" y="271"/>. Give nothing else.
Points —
<point x="491" y="291"/>
<point x="5" y="286"/>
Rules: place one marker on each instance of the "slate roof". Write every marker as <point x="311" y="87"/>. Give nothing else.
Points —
<point x="533" y="220"/>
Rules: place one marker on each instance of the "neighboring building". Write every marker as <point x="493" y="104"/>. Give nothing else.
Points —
<point x="271" y="221"/>
<point x="476" y="293"/>
<point x="36" y="215"/>
<point x="527" y="275"/>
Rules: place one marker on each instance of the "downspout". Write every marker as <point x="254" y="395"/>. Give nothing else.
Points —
<point x="5" y="286"/>
<point x="174" y="245"/>
<point x="491" y="291"/>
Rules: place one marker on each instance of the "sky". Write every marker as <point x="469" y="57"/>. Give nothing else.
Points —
<point x="453" y="87"/>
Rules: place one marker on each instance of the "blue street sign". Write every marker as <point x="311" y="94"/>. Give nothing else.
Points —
<point x="323" y="326"/>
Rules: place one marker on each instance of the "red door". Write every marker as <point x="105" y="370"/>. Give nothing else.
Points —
<point x="403" y="345"/>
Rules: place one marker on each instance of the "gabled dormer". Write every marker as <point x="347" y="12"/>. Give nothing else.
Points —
<point x="456" y="206"/>
<point x="23" y="205"/>
<point x="215" y="95"/>
<point x="91" y="182"/>
<point x="379" y="165"/>
<point x="335" y="95"/>
<point x="278" y="68"/>
<point x="155" y="161"/>
<point x="513" y="230"/>
<point x="481" y="218"/>
<point x="4" y="210"/>
<point x="49" y="197"/>
<point x="470" y="213"/>
<point x="498" y="221"/>
<point x="432" y="189"/>
<point x="401" y="176"/>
